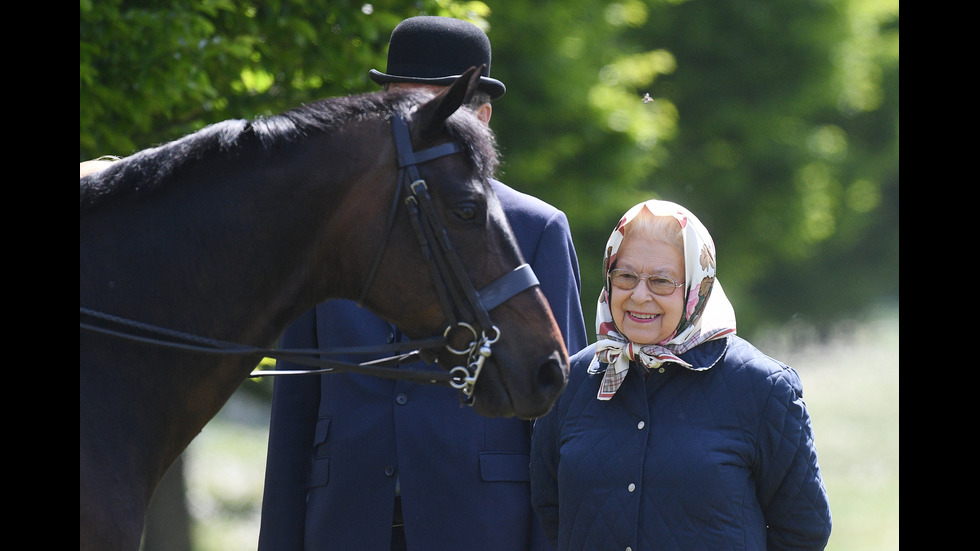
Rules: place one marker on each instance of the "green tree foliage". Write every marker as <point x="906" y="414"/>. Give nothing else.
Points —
<point x="776" y="122"/>
<point x="150" y="72"/>
<point x="788" y="144"/>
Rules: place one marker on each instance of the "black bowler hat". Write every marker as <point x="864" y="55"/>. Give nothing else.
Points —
<point x="437" y="50"/>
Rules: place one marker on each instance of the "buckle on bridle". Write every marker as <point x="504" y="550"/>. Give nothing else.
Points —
<point x="419" y="182"/>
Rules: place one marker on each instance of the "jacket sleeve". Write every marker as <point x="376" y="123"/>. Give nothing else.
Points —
<point x="556" y="265"/>
<point x="789" y="485"/>
<point x="544" y="473"/>
<point x="294" y="409"/>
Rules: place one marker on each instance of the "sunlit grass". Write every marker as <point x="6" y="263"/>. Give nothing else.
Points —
<point x="225" y="469"/>
<point x="851" y="386"/>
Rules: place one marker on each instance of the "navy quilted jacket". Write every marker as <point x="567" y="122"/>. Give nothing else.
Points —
<point x="713" y="460"/>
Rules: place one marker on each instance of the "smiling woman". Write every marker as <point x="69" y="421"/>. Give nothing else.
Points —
<point x="706" y="429"/>
<point x="648" y="314"/>
<point x="654" y="322"/>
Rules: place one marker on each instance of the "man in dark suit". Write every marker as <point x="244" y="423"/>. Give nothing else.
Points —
<point x="363" y="463"/>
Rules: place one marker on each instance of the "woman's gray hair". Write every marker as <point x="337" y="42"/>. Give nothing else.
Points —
<point x="660" y="228"/>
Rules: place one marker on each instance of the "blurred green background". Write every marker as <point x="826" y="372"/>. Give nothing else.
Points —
<point x="776" y="122"/>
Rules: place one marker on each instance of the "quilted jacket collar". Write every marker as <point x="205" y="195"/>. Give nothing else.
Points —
<point x="705" y="356"/>
<point x="702" y="357"/>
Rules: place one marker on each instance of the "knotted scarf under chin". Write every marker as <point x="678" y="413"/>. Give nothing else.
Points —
<point x="618" y="354"/>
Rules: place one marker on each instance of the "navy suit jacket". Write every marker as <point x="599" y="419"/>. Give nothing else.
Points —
<point x="339" y="443"/>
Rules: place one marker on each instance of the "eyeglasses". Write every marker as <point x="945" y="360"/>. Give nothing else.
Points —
<point x="627" y="280"/>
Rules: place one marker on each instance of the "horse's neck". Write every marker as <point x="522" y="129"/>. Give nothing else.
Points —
<point x="294" y="258"/>
<point x="235" y="254"/>
<point x="234" y="251"/>
<point x="229" y="256"/>
<point x="261" y="242"/>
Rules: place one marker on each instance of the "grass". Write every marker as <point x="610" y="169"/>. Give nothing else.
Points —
<point x="225" y="470"/>
<point x="850" y="384"/>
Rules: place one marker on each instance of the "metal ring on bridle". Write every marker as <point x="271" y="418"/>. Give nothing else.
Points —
<point x="496" y="338"/>
<point x="472" y="343"/>
<point x="461" y="379"/>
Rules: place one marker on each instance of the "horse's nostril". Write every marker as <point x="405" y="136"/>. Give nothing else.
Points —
<point x="550" y="377"/>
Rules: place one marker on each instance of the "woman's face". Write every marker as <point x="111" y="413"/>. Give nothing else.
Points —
<point x="642" y="316"/>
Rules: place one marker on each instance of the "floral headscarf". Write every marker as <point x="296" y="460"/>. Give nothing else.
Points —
<point x="708" y="315"/>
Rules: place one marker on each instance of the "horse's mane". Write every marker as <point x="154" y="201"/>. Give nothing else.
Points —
<point x="151" y="168"/>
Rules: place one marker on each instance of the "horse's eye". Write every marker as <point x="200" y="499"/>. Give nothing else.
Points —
<point x="465" y="211"/>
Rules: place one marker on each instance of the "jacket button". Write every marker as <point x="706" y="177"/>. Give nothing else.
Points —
<point x="389" y="471"/>
<point x="401" y="399"/>
<point x="631" y="487"/>
<point x="640" y="425"/>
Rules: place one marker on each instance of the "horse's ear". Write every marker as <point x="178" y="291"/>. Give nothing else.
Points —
<point x="434" y="113"/>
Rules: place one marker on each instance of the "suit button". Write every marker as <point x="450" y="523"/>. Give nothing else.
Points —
<point x="389" y="471"/>
<point x="401" y="399"/>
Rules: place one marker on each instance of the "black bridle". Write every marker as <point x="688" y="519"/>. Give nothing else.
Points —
<point x="455" y="290"/>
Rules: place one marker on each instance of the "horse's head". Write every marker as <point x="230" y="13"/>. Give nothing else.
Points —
<point x="454" y="222"/>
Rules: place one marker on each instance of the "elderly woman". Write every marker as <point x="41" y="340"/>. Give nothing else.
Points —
<point x="674" y="433"/>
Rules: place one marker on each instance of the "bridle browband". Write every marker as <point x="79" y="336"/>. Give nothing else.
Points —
<point x="451" y="281"/>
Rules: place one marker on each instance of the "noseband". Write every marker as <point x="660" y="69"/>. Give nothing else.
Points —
<point x="455" y="289"/>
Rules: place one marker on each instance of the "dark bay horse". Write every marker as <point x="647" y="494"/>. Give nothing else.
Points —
<point x="232" y="232"/>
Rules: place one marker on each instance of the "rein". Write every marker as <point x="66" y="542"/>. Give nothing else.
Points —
<point x="451" y="281"/>
<point x="178" y="340"/>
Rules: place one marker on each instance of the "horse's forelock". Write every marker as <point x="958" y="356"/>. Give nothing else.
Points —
<point x="478" y="141"/>
<point x="464" y="127"/>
